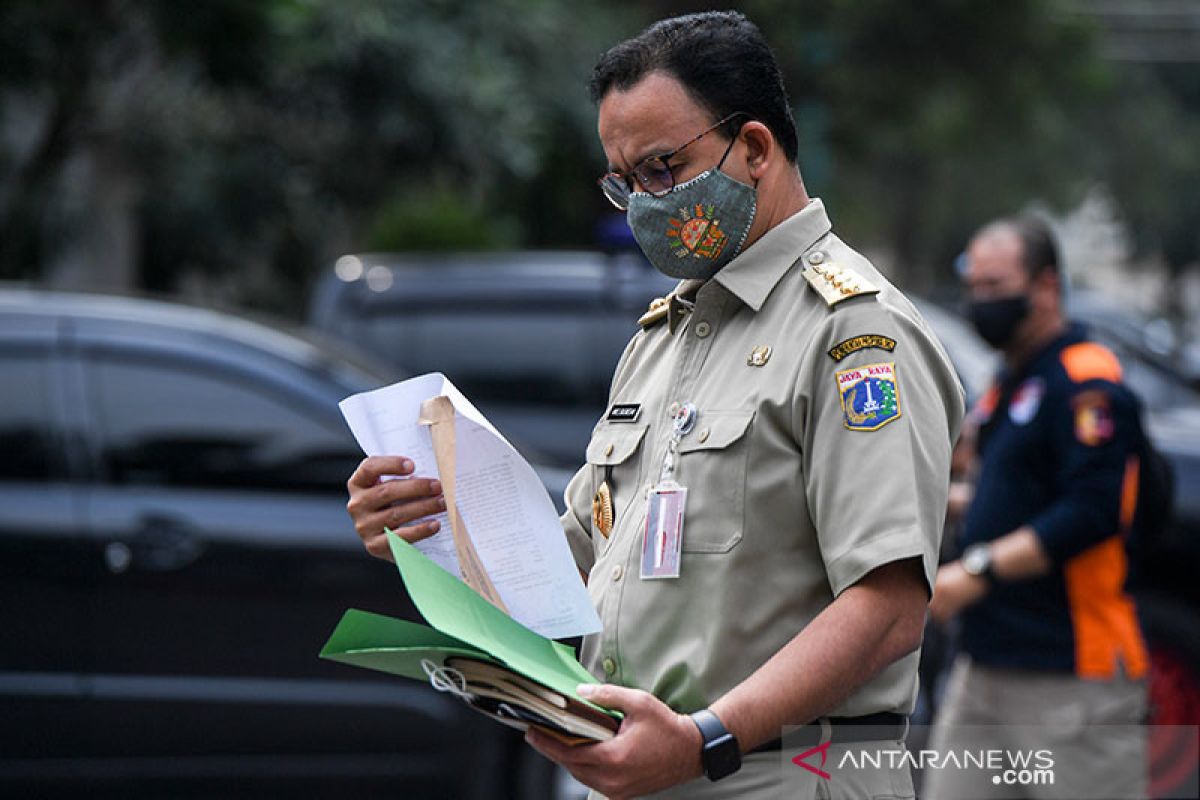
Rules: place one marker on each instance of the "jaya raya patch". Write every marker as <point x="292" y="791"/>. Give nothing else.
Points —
<point x="870" y="396"/>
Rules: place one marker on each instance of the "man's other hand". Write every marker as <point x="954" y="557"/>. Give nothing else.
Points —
<point x="655" y="748"/>
<point x="399" y="504"/>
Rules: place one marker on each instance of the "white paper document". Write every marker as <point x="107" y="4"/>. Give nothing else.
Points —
<point x="510" y="517"/>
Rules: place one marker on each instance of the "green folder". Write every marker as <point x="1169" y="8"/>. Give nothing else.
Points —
<point x="463" y="625"/>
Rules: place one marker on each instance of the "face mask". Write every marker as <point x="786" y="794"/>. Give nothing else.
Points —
<point x="696" y="228"/>
<point x="997" y="320"/>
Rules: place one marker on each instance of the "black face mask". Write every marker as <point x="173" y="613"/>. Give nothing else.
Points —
<point x="997" y="320"/>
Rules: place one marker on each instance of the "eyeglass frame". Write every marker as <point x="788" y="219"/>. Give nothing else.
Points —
<point x="610" y="181"/>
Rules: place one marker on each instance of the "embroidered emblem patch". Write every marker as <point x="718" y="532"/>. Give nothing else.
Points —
<point x="1026" y="400"/>
<point x="696" y="233"/>
<point x="870" y="396"/>
<point x="867" y="341"/>
<point x="1093" y="418"/>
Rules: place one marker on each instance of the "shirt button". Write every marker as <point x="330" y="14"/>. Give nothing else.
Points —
<point x="610" y="666"/>
<point x="703" y="329"/>
<point x="608" y="451"/>
<point x="617" y="572"/>
<point x="816" y="258"/>
<point x="704" y="435"/>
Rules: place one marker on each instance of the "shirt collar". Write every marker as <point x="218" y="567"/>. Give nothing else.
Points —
<point x="753" y="274"/>
<point x="1074" y="333"/>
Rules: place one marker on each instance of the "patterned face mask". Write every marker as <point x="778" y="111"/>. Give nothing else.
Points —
<point x="696" y="228"/>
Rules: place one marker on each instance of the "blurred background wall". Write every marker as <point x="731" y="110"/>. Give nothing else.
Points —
<point x="229" y="150"/>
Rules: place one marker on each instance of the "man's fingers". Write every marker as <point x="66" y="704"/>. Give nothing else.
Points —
<point x="393" y="493"/>
<point x="615" y="697"/>
<point x="570" y="757"/>
<point x="398" y="520"/>
<point x="377" y="544"/>
<point x="372" y="468"/>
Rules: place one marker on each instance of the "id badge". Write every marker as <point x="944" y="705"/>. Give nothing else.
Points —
<point x="662" y="539"/>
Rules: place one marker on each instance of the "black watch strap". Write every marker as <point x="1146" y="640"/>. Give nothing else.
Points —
<point x="720" y="754"/>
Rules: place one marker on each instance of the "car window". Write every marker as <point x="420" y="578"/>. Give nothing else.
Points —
<point x="198" y="425"/>
<point x="31" y="448"/>
<point x="1157" y="386"/>
<point x="535" y="356"/>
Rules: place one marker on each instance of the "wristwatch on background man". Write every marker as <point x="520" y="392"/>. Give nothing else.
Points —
<point x="721" y="754"/>
<point x="977" y="561"/>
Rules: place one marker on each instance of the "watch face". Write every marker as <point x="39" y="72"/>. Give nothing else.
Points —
<point x="722" y="757"/>
<point x="977" y="560"/>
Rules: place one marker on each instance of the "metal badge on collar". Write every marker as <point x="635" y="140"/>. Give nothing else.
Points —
<point x="870" y="396"/>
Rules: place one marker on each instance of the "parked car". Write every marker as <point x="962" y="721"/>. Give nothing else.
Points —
<point x="174" y="551"/>
<point x="531" y="337"/>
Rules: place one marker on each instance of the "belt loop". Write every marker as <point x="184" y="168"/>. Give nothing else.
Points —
<point x="826" y="730"/>
<point x="907" y="728"/>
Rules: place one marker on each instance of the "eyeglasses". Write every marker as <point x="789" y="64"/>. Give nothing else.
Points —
<point x="654" y="174"/>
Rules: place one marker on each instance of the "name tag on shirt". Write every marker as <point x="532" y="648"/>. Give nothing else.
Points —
<point x="624" y="412"/>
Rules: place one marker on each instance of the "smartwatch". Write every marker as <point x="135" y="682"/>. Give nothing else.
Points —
<point x="977" y="561"/>
<point x="721" y="754"/>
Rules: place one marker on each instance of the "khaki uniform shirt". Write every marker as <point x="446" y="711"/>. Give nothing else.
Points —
<point x="787" y="505"/>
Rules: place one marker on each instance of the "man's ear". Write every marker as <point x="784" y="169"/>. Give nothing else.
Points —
<point x="761" y="149"/>
<point x="1048" y="284"/>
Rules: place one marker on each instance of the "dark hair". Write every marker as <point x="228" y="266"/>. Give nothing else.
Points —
<point x="723" y="62"/>
<point x="1039" y="249"/>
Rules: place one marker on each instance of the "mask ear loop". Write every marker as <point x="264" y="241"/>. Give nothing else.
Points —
<point x="447" y="679"/>
<point x="728" y="149"/>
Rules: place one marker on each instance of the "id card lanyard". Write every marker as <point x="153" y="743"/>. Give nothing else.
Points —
<point x="662" y="538"/>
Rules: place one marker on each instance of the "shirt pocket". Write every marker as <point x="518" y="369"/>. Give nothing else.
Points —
<point x="612" y="452"/>
<point x="713" y="459"/>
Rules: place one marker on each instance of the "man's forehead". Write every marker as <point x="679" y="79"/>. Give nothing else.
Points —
<point x="654" y="115"/>
<point x="995" y="252"/>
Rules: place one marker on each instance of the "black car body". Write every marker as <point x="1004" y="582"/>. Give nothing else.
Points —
<point x="174" y="551"/>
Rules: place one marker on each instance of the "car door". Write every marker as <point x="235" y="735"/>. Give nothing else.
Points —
<point x="46" y="569"/>
<point x="219" y="506"/>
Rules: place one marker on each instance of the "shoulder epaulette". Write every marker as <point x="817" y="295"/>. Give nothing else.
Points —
<point x="833" y="282"/>
<point x="656" y="313"/>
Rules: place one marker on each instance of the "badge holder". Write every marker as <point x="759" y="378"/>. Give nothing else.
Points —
<point x="662" y="538"/>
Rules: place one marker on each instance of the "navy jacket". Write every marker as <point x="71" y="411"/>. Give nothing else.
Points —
<point x="1058" y="444"/>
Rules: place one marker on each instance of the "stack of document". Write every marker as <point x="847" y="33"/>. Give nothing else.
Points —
<point x="520" y="703"/>
<point x="476" y="652"/>
<point x="496" y="654"/>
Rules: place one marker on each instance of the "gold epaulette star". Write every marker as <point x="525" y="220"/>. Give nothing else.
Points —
<point x="835" y="283"/>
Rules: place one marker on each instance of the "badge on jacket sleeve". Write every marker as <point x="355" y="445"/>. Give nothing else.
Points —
<point x="1093" y="418"/>
<point x="870" y="396"/>
<point x="1026" y="400"/>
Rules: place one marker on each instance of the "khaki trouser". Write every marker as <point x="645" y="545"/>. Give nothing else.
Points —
<point x="770" y="776"/>
<point x="1091" y="726"/>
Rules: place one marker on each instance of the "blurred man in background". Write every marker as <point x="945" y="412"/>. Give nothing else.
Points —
<point x="1049" y="635"/>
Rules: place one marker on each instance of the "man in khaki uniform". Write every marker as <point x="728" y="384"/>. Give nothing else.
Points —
<point x="806" y="408"/>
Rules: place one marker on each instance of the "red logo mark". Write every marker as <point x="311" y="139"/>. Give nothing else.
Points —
<point x="823" y="749"/>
